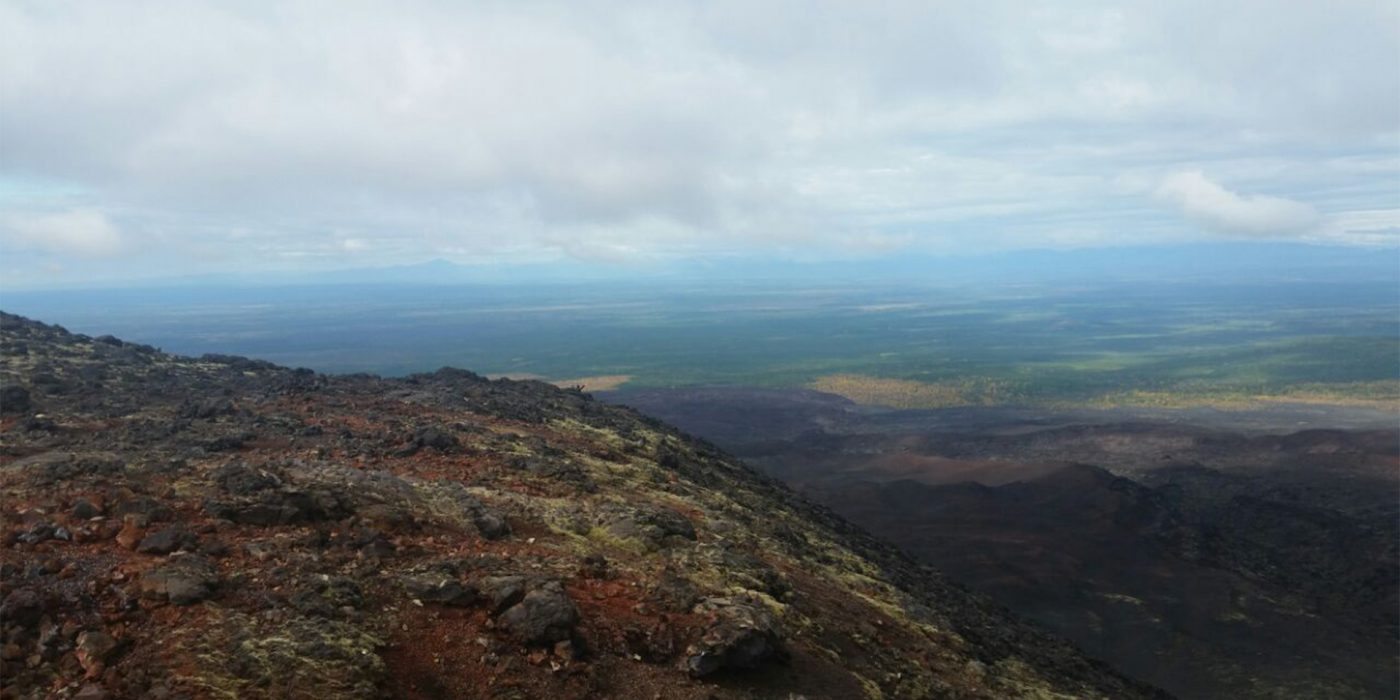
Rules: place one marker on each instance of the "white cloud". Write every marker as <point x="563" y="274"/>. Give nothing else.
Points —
<point x="79" y="232"/>
<point x="1377" y="227"/>
<point x="232" y="133"/>
<point x="1222" y="211"/>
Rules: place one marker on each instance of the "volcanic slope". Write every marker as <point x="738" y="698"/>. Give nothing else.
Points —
<point x="224" y="527"/>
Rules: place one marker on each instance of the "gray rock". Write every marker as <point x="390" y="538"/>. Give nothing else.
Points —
<point x="742" y="636"/>
<point x="558" y="469"/>
<point x="171" y="539"/>
<point x="328" y="597"/>
<point x="656" y="526"/>
<point x="281" y="507"/>
<point x="23" y="607"/>
<point x="94" y="650"/>
<point x="145" y="506"/>
<point x="84" y="509"/>
<point x="502" y="591"/>
<point x="188" y="580"/>
<point x="439" y="590"/>
<point x="674" y="592"/>
<point x="91" y="691"/>
<point x="207" y="409"/>
<point x="241" y="480"/>
<point x="490" y="524"/>
<point x="435" y="438"/>
<point x="544" y="616"/>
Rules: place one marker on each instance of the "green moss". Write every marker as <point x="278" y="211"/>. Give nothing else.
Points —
<point x="299" y="657"/>
<point x="870" y="688"/>
<point x="1015" y="678"/>
<point x="606" y="538"/>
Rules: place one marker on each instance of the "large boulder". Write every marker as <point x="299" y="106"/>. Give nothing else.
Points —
<point x="544" y="616"/>
<point x="742" y="635"/>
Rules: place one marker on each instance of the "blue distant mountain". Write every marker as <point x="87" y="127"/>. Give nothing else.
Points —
<point x="1200" y="262"/>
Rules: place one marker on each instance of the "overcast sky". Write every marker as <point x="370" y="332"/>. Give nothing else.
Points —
<point x="147" y="138"/>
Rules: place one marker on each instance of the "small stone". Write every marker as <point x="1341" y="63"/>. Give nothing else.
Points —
<point x="95" y="649"/>
<point x="595" y="566"/>
<point x="213" y="548"/>
<point x="435" y="438"/>
<point x="439" y="591"/>
<point x="165" y="541"/>
<point x="491" y="525"/>
<point x="91" y="691"/>
<point x="130" y="535"/>
<point x="84" y="509"/>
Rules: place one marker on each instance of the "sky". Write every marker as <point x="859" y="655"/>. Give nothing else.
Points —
<point x="150" y="139"/>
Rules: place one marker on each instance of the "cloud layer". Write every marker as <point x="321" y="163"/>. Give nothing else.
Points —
<point x="332" y="133"/>
<point x="1223" y="211"/>
<point x="76" y="232"/>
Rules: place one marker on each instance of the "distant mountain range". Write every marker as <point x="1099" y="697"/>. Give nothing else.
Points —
<point x="1232" y="261"/>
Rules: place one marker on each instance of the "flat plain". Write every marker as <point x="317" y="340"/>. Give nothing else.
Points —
<point x="1221" y="344"/>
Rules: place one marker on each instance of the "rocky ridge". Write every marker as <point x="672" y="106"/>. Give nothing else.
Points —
<point x="224" y="527"/>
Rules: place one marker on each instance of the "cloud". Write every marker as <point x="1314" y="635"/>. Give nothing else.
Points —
<point x="235" y="134"/>
<point x="1222" y="211"/>
<point x="83" y="233"/>
<point x="1377" y="227"/>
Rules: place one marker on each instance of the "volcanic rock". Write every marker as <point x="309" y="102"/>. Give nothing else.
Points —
<point x="544" y="616"/>
<point x="189" y="579"/>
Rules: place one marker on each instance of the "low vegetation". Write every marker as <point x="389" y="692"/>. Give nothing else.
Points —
<point x="1227" y="345"/>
